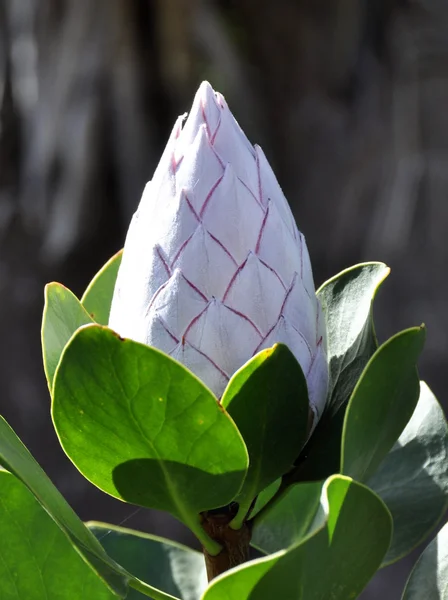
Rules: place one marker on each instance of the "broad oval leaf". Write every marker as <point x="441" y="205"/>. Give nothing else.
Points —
<point x="63" y="315"/>
<point x="413" y="478"/>
<point x="15" y="457"/>
<point x="171" y="567"/>
<point x="143" y="428"/>
<point x="335" y="559"/>
<point x="37" y="560"/>
<point x="97" y="298"/>
<point x="289" y="519"/>
<point x="265" y="497"/>
<point x="429" y="578"/>
<point x="381" y="404"/>
<point x="268" y="400"/>
<point x="347" y="301"/>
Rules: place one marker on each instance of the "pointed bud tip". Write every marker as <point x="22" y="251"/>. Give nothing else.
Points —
<point x="205" y="110"/>
<point x="205" y="88"/>
<point x="210" y="97"/>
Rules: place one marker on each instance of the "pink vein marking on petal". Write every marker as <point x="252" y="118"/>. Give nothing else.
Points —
<point x="308" y="294"/>
<point x="212" y="139"/>
<point x="217" y="156"/>
<point x="221" y="245"/>
<point x="317" y="322"/>
<point x="179" y="162"/>
<point x="291" y="287"/>
<point x="245" y="317"/>
<point x="260" y="193"/>
<point x="219" y="159"/>
<point x="251" y="193"/>
<point x="163" y="286"/>
<point x="265" y="337"/>
<point x="191" y="207"/>
<point x="167" y="329"/>
<point x="173" y="164"/>
<point x="260" y="234"/>
<point x="303" y="338"/>
<point x="223" y="373"/>
<point x="220" y="99"/>
<point x="153" y="299"/>
<point x="179" y="126"/>
<point x="272" y="329"/>
<point x="193" y="321"/>
<point x="273" y="271"/>
<point x="181" y="249"/>
<point x="234" y="276"/>
<point x="163" y="260"/>
<point x="209" y="195"/>
<point x="196" y="289"/>
<point x="313" y="357"/>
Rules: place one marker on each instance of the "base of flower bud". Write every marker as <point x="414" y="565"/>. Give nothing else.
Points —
<point x="235" y="543"/>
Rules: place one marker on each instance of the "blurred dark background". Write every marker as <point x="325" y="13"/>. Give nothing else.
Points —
<point x="347" y="97"/>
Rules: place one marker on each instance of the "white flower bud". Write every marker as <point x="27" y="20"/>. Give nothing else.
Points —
<point x="214" y="268"/>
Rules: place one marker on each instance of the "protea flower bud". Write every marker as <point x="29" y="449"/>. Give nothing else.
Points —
<point x="214" y="268"/>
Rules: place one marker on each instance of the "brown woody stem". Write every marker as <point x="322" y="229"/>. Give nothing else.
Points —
<point x="234" y="542"/>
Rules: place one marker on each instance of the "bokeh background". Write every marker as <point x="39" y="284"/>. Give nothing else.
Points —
<point x="347" y="97"/>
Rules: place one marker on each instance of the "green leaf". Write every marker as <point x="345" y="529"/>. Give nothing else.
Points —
<point x="429" y="578"/>
<point x="381" y="404"/>
<point x="175" y="569"/>
<point x="413" y="478"/>
<point x="36" y="559"/>
<point x="289" y="519"/>
<point x="334" y="559"/>
<point x="347" y="302"/>
<point x="268" y="400"/>
<point x="97" y="298"/>
<point x="144" y="429"/>
<point x="63" y="315"/>
<point x="16" y="459"/>
<point x="347" y="305"/>
<point x="265" y="496"/>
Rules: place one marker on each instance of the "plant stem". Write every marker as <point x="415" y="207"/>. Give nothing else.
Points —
<point x="210" y="544"/>
<point x="234" y="543"/>
<point x="238" y="520"/>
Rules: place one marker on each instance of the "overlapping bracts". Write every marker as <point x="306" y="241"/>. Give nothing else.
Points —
<point x="214" y="268"/>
